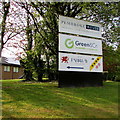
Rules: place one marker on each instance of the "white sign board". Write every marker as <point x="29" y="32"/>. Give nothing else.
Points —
<point x="80" y="27"/>
<point x="76" y="62"/>
<point x="70" y="43"/>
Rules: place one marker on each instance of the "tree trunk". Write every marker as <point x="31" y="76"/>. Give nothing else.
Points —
<point x="48" y="68"/>
<point x="6" y="7"/>
<point x="40" y="75"/>
<point x="28" y="75"/>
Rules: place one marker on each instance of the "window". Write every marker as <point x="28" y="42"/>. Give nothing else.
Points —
<point x="15" y="69"/>
<point x="7" y="68"/>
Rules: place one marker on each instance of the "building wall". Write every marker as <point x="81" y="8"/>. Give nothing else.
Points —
<point x="0" y="72"/>
<point x="10" y="74"/>
<point x="16" y="75"/>
<point x="6" y="75"/>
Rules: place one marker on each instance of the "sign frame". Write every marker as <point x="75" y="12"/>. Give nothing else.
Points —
<point x="80" y="63"/>
<point x="75" y="44"/>
<point x="80" y="27"/>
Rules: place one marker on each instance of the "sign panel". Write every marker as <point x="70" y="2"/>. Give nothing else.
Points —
<point x="76" y="62"/>
<point x="80" y="27"/>
<point x="70" y="43"/>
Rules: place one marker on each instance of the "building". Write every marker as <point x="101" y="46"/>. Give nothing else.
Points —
<point x="10" y="68"/>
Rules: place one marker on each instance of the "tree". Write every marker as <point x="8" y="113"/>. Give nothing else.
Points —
<point x="32" y="62"/>
<point x="13" y="32"/>
<point x="11" y="26"/>
<point x="48" y="28"/>
<point x="103" y="13"/>
<point x="5" y="6"/>
<point x="42" y="28"/>
<point x="27" y="61"/>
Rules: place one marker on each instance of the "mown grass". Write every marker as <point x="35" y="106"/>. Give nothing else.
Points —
<point x="46" y="100"/>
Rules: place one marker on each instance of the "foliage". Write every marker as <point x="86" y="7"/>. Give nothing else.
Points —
<point x="117" y="60"/>
<point x="47" y="29"/>
<point x="27" y="64"/>
<point x="111" y="61"/>
<point x="101" y="12"/>
<point x="41" y="31"/>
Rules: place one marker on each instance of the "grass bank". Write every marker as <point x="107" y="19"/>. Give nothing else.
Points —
<point x="46" y="100"/>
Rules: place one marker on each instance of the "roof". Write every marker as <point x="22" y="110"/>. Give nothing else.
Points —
<point x="9" y="61"/>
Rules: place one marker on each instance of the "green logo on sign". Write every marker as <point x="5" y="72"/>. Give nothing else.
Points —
<point x="69" y="43"/>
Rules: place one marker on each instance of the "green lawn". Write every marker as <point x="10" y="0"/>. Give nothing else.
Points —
<point x="46" y="100"/>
